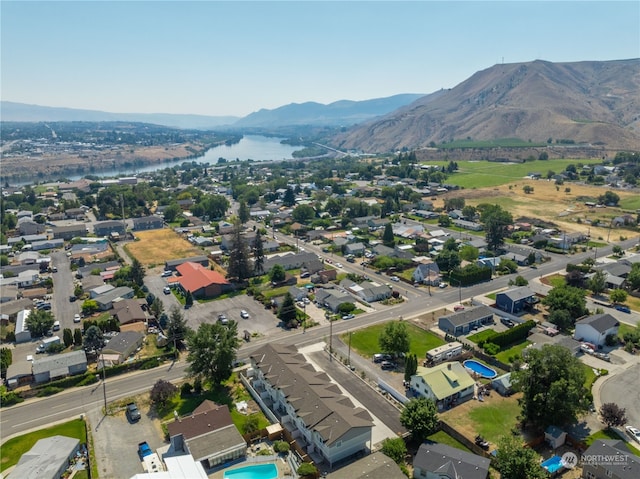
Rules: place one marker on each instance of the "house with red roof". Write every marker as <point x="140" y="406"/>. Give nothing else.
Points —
<point x="200" y="281"/>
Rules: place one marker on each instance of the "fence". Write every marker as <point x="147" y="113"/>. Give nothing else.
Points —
<point x="401" y="398"/>
<point x="254" y="394"/>
<point x="458" y="436"/>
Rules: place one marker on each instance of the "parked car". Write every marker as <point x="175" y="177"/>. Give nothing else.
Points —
<point x="394" y="278"/>
<point x="166" y="290"/>
<point x="507" y="322"/>
<point x="76" y="318"/>
<point x="339" y="265"/>
<point x="144" y="450"/>
<point x="244" y="314"/>
<point x="387" y="365"/>
<point x="223" y="318"/>
<point x="349" y="316"/>
<point x="634" y="433"/>
<point x="133" y="414"/>
<point x="623" y="308"/>
<point x="379" y="357"/>
<point x="72" y="298"/>
<point x="442" y="285"/>
<point x="167" y="273"/>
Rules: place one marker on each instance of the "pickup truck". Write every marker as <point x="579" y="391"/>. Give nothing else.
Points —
<point x="144" y="450"/>
<point x="133" y="413"/>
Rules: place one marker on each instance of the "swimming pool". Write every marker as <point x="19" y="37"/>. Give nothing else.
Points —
<point x="256" y="471"/>
<point x="480" y="369"/>
<point x="553" y="464"/>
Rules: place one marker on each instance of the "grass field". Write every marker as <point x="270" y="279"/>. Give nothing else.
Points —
<point x="514" y="351"/>
<point x="13" y="449"/>
<point x="365" y="341"/>
<point x="444" y="438"/>
<point x="481" y="336"/>
<point x="157" y="246"/>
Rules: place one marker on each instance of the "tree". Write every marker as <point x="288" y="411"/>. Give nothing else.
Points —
<point x="77" y="337"/>
<point x="454" y="203"/>
<point x="93" y="339"/>
<point x="243" y="212"/>
<point x="39" y="322"/>
<point x="562" y="319"/>
<point x="161" y="392"/>
<point x="520" y="281"/>
<point x="528" y="189"/>
<point x="157" y="307"/>
<point x="239" y="262"/>
<point x="444" y="220"/>
<point x="469" y="212"/>
<point x="609" y="199"/>
<point x="89" y="306"/>
<point x="288" y="313"/>
<point x="420" y="417"/>
<point x="496" y="225"/>
<point x="394" y="338"/>
<point x="177" y="329"/>
<point x="410" y="366"/>
<point x="516" y="461"/>
<point x="171" y="212"/>
<point x="333" y="206"/>
<point x="212" y="351"/>
<point x="137" y="272"/>
<point x="469" y="253"/>
<point x="388" y="239"/>
<point x="307" y="469"/>
<point x="617" y="250"/>
<point x="395" y="448"/>
<point x="258" y="254"/>
<point x="448" y="260"/>
<point x="289" y="198"/>
<point x="277" y="273"/>
<point x="251" y="425"/>
<point x="303" y="213"/>
<point x="612" y="415"/>
<point x="67" y="337"/>
<point x="188" y="299"/>
<point x="598" y="282"/>
<point x="552" y="386"/>
<point x="6" y="359"/>
<point x="618" y="296"/>
<point x="569" y="298"/>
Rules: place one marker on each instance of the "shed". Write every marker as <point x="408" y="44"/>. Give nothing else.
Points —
<point x="502" y="384"/>
<point x="554" y="436"/>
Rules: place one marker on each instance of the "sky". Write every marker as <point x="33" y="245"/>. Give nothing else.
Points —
<point x="233" y="58"/>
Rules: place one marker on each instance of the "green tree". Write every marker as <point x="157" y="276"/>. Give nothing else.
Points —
<point x="188" y="299"/>
<point x="448" y="260"/>
<point x="243" y="212"/>
<point x="258" y="254"/>
<point x="39" y="322"/>
<point x="251" y="425"/>
<point x="598" y="282"/>
<point x="307" y="470"/>
<point x="67" y="337"/>
<point x="569" y="298"/>
<point x="456" y="203"/>
<point x="289" y="198"/>
<point x="552" y="386"/>
<point x="395" y="448"/>
<point x="6" y="359"/>
<point x="410" y="366"/>
<point x="520" y="281"/>
<point x="388" y="239"/>
<point x="516" y="461"/>
<point x="156" y="307"/>
<point x="93" y="339"/>
<point x="469" y="253"/>
<point x="77" y="337"/>
<point x="469" y="212"/>
<point x="496" y="225"/>
<point x="161" y="392"/>
<point x="394" y="338"/>
<point x="444" y="220"/>
<point x="618" y="295"/>
<point x="212" y="351"/>
<point x="420" y="417"/>
<point x="137" y="272"/>
<point x="277" y="273"/>
<point x="609" y="199"/>
<point x="89" y="306"/>
<point x="177" y="329"/>
<point x="240" y="267"/>
<point x="333" y="206"/>
<point x="562" y="319"/>
<point x="303" y="213"/>
<point x="171" y="212"/>
<point x="288" y="313"/>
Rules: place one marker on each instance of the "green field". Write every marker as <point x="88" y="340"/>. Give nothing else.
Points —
<point x="444" y="438"/>
<point x="482" y="335"/>
<point x="631" y="203"/>
<point x="481" y="174"/>
<point x="365" y="341"/>
<point x="495" y="420"/>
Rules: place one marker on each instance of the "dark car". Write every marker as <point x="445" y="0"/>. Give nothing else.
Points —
<point x="507" y="322"/>
<point x="72" y="298"/>
<point x="623" y="308"/>
<point x="387" y="365"/>
<point x="133" y="413"/>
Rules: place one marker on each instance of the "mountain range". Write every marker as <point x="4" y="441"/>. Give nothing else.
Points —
<point x="593" y="103"/>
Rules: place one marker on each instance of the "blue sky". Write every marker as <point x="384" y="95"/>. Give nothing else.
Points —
<point x="233" y="58"/>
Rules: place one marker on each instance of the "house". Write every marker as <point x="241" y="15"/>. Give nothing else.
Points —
<point x="519" y="259"/>
<point x="47" y="244"/>
<point x="148" y="223"/>
<point x="226" y="242"/>
<point x="324" y="276"/>
<point x="28" y="239"/>
<point x="437" y="460"/>
<point x="22" y="331"/>
<point x="468" y="225"/>
<point x="427" y="273"/>
<point x="447" y="384"/>
<point x="122" y="345"/>
<point x="298" y="294"/>
<point x="201" y="281"/>
<point x="332" y="300"/>
<point x="309" y="406"/>
<point x="69" y="232"/>
<point x="105" y="228"/>
<point x="444" y="353"/>
<point x="74" y="213"/>
<point x="366" y="290"/>
<point x="290" y="261"/>
<point x="621" y="463"/>
<point x="180" y="466"/>
<point x="555" y="437"/>
<point x="129" y="311"/>
<point x="516" y="300"/>
<point x="171" y="265"/>
<point x="105" y="300"/>
<point x="26" y="226"/>
<point x="461" y="322"/>
<point x="208" y="434"/>
<point x="502" y="384"/>
<point x="594" y="329"/>
<point x="59" y="366"/>
<point x="29" y="257"/>
<point x="372" y="466"/>
<point x="25" y="278"/>
<point x="49" y="458"/>
<point x="356" y="249"/>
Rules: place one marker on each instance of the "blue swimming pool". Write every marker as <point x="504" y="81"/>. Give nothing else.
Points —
<point x="256" y="471"/>
<point x="480" y="369"/>
<point x="553" y="464"/>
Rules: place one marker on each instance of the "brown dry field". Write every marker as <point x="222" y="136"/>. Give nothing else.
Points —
<point x="548" y="203"/>
<point x="157" y="246"/>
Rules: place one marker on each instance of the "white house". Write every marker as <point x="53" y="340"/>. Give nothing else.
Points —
<point x="22" y="331"/>
<point x="428" y="273"/>
<point x="595" y="329"/>
<point x="446" y="384"/>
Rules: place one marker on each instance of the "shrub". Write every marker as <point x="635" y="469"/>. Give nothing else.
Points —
<point x="49" y="391"/>
<point x="281" y="447"/>
<point x="197" y="386"/>
<point x="491" y="349"/>
<point x="9" y="398"/>
<point x="185" y="389"/>
<point x="88" y="379"/>
<point x="307" y="469"/>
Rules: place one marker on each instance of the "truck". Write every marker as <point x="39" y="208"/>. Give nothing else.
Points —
<point x="44" y="345"/>
<point x="144" y="450"/>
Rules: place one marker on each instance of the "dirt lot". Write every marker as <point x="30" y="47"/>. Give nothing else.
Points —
<point x="157" y="246"/>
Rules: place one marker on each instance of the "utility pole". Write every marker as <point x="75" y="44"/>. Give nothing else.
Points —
<point x="349" y="355"/>
<point x="104" y="382"/>
<point x="330" y="339"/>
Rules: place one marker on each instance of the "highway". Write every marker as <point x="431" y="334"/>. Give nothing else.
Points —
<point x="39" y="412"/>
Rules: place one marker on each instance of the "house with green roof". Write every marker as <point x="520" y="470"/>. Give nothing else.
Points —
<point x="447" y="384"/>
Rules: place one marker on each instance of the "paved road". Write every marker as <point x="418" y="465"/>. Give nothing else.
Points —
<point x="623" y="388"/>
<point x="62" y="308"/>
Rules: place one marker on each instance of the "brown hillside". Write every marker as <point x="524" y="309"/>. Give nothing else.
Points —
<point x="596" y="103"/>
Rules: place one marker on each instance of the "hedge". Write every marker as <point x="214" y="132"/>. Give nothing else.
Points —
<point x="510" y="336"/>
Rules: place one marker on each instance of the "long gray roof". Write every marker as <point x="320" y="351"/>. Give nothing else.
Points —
<point x="451" y="461"/>
<point x="629" y="465"/>
<point x="316" y="400"/>
<point x="373" y="466"/>
<point x="600" y="322"/>
<point x="59" y="361"/>
<point x="470" y="314"/>
<point x="518" y="293"/>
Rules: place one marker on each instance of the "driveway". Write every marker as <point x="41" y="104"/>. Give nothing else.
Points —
<point x="63" y="287"/>
<point x="115" y="441"/>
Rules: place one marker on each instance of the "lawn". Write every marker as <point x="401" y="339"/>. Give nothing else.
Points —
<point x="481" y="336"/>
<point x="494" y="420"/>
<point x="514" y="351"/>
<point x="156" y="247"/>
<point x="13" y="449"/>
<point x="365" y="341"/>
<point x="444" y="438"/>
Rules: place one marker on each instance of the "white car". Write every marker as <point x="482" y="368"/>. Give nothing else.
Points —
<point x="244" y="314"/>
<point x="634" y="433"/>
<point x="339" y="265"/>
<point x="394" y="278"/>
<point x="76" y="318"/>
